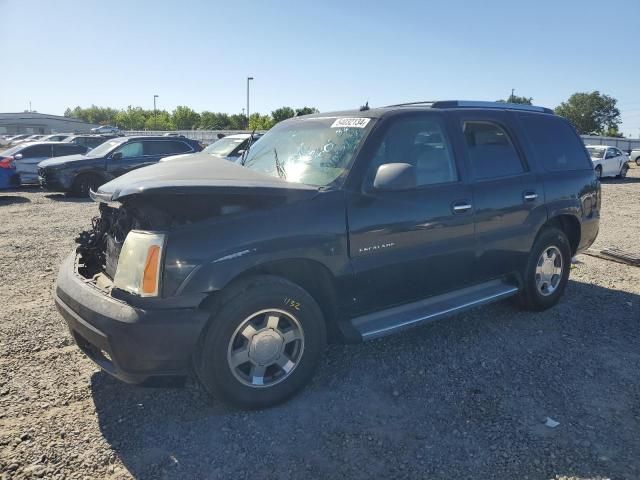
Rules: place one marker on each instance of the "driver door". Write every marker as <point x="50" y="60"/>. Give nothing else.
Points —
<point x="411" y="244"/>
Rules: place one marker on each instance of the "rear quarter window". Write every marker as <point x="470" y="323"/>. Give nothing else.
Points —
<point x="556" y="145"/>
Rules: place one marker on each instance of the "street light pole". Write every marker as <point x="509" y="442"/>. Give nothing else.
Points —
<point x="248" y="114"/>
<point x="155" y="118"/>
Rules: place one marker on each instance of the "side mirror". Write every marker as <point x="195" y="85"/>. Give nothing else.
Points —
<point x="395" y="176"/>
<point x="116" y="156"/>
<point x="17" y="156"/>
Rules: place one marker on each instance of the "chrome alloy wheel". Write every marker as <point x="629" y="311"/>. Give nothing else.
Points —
<point x="549" y="271"/>
<point x="266" y="348"/>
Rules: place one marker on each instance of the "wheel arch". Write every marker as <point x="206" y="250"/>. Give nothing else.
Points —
<point x="570" y="225"/>
<point x="311" y="275"/>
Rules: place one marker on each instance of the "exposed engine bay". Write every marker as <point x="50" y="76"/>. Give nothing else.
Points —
<point x="99" y="247"/>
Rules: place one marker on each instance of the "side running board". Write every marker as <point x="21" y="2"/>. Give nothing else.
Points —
<point x="385" y="322"/>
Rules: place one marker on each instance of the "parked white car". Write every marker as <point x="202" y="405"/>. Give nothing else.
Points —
<point x="608" y="161"/>
<point x="634" y="156"/>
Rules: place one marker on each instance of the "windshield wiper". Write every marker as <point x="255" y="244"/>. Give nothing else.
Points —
<point x="281" y="173"/>
<point x="246" y="150"/>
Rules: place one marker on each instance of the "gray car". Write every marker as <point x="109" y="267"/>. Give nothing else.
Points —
<point x="28" y="155"/>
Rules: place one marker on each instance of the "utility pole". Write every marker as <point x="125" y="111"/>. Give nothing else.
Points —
<point x="29" y="106"/>
<point x="511" y="97"/>
<point x="248" y="114"/>
<point x="155" y="117"/>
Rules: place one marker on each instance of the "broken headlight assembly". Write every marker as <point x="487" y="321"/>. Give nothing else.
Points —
<point x="139" y="263"/>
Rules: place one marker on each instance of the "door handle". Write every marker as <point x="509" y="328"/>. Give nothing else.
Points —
<point x="461" y="207"/>
<point x="530" y="196"/>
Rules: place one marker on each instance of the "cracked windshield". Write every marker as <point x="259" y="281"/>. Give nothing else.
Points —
<point x="314" y="151"/>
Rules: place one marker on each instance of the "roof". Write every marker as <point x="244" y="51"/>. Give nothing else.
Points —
<point x="378" y="112"/>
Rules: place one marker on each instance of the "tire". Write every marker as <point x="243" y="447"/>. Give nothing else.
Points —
<point x="623" y="171"/>
<point x="247" y="358"/>
<point x="534" y="295"/>
<point x="85" y="182"/>
<point x="599" y="171"/>
<point x="638" y="161"/>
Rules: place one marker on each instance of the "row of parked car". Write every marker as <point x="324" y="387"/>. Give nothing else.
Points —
<point x="81" y="163"/>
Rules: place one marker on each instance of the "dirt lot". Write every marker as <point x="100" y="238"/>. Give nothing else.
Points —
<point x="461" y="398"/>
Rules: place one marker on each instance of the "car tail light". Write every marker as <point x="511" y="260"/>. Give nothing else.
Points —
<point x="7" y="162"/>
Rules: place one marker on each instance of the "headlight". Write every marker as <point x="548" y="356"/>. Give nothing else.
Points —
<point x="138" y="269"/>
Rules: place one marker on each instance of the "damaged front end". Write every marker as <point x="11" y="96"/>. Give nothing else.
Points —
<point x="99" y="247"/>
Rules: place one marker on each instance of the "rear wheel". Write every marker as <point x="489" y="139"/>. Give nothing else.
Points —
<point x="638" y="161"/>
<point x="85" y="182"/>
<point x="264" y="342"/>
<point x="599" y="171"/>
<point x="623" y="171"/>
<point x="547" y="271"/>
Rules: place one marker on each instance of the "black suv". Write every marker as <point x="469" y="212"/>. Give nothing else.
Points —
<point x="348" y="226"/>
<point x="80" y="174"/>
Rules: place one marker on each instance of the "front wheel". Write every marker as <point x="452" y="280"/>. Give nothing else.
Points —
<point x="263" y="343"/>
<point x="547" y="271"/>
<point x="84" y="183"/>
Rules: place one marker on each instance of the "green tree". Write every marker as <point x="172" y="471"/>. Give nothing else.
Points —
<point x="237" y="121"/>
<point x="260" y="122"/>
<point x="281" y="114"/>
<point x="516" y="99"/>
<point x="184" y="118"/>
<point x="93" y="114"/>
<point x="133" y="118"/>
<point x="591" y="112"/>
<point x="162" y="121"/>
<point x="306" y="111"/>
<point x="214" y="121"/>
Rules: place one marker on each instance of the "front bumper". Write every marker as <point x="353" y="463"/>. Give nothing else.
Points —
<point x="132" y="344"/>
<point x="50" y="180"/>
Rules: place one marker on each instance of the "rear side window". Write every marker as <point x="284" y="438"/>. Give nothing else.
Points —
<point x="556" y="145"/>
<point x="491" y="151"/>
<point x="161" y="147"/>
<point x="37" y="151"/>
<point x="61" y="150"/>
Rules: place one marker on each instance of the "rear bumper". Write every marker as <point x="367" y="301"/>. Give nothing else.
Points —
<point x="132" y="344"/>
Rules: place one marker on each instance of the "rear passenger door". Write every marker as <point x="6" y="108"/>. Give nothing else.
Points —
<point x="508" y="196"/>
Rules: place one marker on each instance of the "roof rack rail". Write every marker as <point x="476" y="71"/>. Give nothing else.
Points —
<point x="408" y="104"/>
<point x="475" y="104"/>
<point x="480" y="104"/>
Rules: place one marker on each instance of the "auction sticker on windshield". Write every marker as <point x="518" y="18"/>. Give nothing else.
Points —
<point x="350" y="122"/>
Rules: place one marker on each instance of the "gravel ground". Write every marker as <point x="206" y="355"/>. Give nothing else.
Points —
<point x="466" y="397"/>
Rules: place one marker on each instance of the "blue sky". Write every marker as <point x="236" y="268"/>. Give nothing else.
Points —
<point x="323" y="53"/>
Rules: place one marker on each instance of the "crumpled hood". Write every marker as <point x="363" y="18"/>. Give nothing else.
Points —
<point x="200" y="174"/>
<point x="53" y="162"/>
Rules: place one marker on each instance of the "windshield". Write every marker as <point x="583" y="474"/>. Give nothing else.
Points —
<point x="596" y="152"/>
<point x="224" y="146"/>
<point x="315" y="151"/>
<point x="104" y="148"/>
